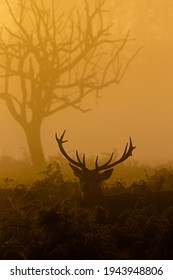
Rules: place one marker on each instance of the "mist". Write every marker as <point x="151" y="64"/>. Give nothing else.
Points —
<point x="86" y="158"/>
<point x="140" y="106"/>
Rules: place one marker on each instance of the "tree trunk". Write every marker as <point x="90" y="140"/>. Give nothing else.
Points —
<point x="33" y="137"/>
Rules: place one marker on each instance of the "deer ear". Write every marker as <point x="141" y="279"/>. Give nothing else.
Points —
<point x="77" y="172"/>
<point x="106" y="174"/>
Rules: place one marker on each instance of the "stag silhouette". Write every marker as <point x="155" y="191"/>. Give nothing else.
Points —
<point x="91" y="180"/>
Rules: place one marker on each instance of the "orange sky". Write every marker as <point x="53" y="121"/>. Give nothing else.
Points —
<point x="140" y="107"/>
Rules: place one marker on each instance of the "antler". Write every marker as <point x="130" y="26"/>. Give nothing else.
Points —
<point x="126" y="154"/>
<point x="78" y="163"/>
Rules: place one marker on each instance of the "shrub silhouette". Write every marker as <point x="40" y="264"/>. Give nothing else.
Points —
<point x="46" y="221"/>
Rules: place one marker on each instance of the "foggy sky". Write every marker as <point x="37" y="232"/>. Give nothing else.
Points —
<point x="140" y="106"/>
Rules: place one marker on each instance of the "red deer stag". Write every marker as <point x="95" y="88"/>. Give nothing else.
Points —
<point x="91" y="179"/>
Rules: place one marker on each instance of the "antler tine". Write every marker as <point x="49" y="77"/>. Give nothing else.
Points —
<point x="84" y="159"/>
<point x="61" y="137"/>
<point x="96" y="162"/>
<point x="82" y="164"/>
<point x="127" y="152"/>
<point x="105" y="164"/>
<point x="60" y="142"/>
<point x="132" y="148"/>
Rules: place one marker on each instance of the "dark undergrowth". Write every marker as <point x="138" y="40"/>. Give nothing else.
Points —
<point x="46" y="221"/>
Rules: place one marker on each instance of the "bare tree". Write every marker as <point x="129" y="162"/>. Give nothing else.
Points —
<point x="49" y="62"/>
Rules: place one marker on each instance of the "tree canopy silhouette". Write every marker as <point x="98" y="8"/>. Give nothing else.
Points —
<point x="50" y="61"/>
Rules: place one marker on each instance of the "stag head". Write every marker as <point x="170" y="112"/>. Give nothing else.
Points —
<point x="92" y="179"/>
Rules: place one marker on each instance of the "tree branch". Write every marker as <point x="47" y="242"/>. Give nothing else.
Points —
<point x="59" y="60"/>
